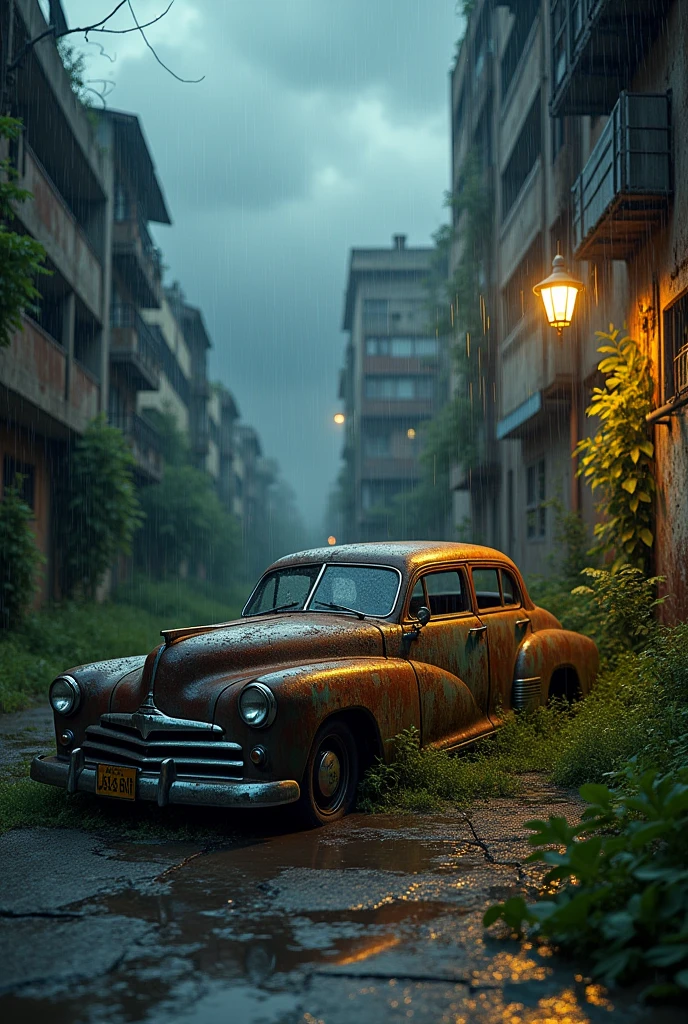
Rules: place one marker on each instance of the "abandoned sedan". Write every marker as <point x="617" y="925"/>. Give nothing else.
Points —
<point x="337" y="651"/>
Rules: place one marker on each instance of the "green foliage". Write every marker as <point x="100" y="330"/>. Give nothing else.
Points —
<point x="102" y="509"/>
<point x="423" y="780"/>
<point x="572" y="542"/>
<point x="620" y="607"/>
<point x="21" y="258"/>
<point x="74" y="64"/>
<point x="624" y="899"/>
<point x="60" y="636"/>
<point x="183" y="602"/>
<point x="19" y="558"/>
<point x="618" y="460"/>
<point x="186" y="527"/>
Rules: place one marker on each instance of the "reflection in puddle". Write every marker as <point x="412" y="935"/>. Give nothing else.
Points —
<point x="335" y="926"/>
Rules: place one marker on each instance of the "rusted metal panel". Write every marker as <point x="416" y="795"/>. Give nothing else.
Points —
<point x="379" y="676"/>
<point x="542" y="653"/>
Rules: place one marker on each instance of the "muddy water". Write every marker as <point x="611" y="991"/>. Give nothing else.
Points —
<point x="376" y="918"/>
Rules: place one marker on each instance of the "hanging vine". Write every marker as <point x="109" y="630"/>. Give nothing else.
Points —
<point x="618" y="460"/>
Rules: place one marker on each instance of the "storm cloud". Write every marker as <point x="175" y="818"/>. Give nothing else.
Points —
<point x="319" y="125"/>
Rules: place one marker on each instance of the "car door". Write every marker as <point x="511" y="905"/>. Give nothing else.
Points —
<point x="499" y="604"/>
<point x="449" y="656"/>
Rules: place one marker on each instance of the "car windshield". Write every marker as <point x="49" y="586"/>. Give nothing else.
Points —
<point x="283" y="590"/>
<point x="367" y="589"/>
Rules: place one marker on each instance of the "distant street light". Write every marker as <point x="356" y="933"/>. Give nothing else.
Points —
<point x="559" y="292"/>
<point x="331" y="541"/>
<point x="410" y="433"/>
<point x="339" y="418"/>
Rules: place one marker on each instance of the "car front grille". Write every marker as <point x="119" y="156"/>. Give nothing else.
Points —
<point x="196" y="753"/>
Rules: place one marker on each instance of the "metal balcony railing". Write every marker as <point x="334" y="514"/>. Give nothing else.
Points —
<point x="681" y="370"/>
<point x="624" y="188"/>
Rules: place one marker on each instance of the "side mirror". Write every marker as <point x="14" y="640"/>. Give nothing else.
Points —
<point x="423" y="615"/>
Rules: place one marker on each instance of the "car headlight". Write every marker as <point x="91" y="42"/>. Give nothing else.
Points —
<point x="65" y="695"/>
<point x="257" y="705"/>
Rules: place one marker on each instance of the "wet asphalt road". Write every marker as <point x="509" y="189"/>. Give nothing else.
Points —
<point x="376" y="918"/>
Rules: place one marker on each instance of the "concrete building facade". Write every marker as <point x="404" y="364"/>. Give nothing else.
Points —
<point x="582" y="125"/>
<point x="53" y="377"/>
<point x="391" y="382"/>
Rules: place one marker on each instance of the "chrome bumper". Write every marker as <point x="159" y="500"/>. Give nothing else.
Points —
<point x="164" y="788"/>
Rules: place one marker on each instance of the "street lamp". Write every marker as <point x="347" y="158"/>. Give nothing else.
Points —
<point x="339" y="418"/>
<point x="559" y="292"/>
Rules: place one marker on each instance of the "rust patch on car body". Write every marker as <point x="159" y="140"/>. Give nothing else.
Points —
<point x="451" y="679"/>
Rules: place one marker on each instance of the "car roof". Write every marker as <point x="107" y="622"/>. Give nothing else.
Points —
<point x="407" y="556"/>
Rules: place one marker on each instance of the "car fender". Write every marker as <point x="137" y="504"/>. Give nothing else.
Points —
<point x="382" y="690"/>
<point x="539" y="657"/>
<point x="98" y="682"/>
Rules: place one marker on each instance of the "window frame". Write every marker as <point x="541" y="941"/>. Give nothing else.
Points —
<point x="499" y="567"/>
<point x="538" y="507"/>
<point x="420" y="575"/>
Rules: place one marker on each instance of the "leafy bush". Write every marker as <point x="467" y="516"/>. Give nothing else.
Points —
<point x="616" y="609"/>
<point x="19" y="559"/>
<point x="624" y="903"/>
<point x="186" y="525"/>
<point x="619" y="458"/>
<point x="102" y="509"/>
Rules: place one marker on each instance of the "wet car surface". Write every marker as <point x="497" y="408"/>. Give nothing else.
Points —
<point x="376" y="918"/>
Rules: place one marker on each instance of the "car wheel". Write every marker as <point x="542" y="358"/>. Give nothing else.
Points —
<point x="329" y="784"/>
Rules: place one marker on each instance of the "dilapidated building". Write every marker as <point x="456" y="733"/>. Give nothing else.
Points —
<point x="579" y="112"/>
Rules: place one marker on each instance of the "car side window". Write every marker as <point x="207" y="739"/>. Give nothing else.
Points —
<point x="486" y="584"/>
<point x="510" y="589"/>
<point x="417" y="600"/>
<point x="446" y="593"/>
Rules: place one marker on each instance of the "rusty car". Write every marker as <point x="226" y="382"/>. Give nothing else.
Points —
<point x="336" y="652"/>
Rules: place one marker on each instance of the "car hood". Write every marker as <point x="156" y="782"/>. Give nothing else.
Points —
<point x="194" y="668"/>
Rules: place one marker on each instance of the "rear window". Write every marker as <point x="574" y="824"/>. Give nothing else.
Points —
<point x="510" y="589"/>
<point x="486" y="584"/>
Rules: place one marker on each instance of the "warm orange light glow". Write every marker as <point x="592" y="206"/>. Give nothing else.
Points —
<point x="339" y="417"/>
<point x="331" y="541"/>
<point x="559" y="292"/>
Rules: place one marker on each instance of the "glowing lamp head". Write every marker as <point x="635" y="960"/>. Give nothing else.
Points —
<point x="331" y="541"/>
<point x="339" y="418"/>
<point x="559" y="292"/>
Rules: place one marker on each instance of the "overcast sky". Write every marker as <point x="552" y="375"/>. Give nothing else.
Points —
<point x="320" y="125"/>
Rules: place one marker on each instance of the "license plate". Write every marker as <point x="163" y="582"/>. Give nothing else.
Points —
<point x="116" y="780"/>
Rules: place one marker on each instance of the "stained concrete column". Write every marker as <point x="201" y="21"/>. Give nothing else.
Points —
<point x="68" y="324"/>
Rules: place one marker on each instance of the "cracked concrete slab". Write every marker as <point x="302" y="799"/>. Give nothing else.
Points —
<point x="377" y="918"/>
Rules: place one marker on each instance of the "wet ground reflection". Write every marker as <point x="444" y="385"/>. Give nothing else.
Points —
<point x="377" y="918"/>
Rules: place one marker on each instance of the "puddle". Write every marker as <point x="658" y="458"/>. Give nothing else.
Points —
<point x="365" y="921"/>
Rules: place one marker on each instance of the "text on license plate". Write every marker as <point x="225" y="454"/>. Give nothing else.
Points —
<point x="116" y="780"/>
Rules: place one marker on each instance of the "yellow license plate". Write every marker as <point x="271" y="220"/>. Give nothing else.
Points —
<point x="116" y="780"/>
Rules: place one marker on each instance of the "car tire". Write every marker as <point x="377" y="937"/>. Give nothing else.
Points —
<point x="329" y="784"/>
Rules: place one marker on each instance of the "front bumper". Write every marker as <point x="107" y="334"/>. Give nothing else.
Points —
<point x="164" y="788"/>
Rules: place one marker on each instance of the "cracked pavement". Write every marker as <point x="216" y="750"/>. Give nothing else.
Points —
<point x="375" y="918"/>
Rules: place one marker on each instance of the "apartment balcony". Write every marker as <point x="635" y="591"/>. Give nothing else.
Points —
<point x="522" y="223"/>
<point x="597" y="46"/>
<point x="40" y="391"/>
<point x="138" y="261"/>
<point x="623" y="191"/>
<point x="134" y="348"/>
<point x="537" y="374"/>
<point x="145" y="444"/>
<point x="50" y="221"/>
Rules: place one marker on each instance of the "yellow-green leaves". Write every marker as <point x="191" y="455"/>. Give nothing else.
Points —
<point x="617" y="461"/>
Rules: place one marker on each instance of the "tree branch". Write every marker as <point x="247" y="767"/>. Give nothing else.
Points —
<point x="193" y="81"/>
<point x="96" y="27"/>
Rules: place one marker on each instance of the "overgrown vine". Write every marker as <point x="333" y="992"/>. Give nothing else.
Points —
<point x="618" y="460"/>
